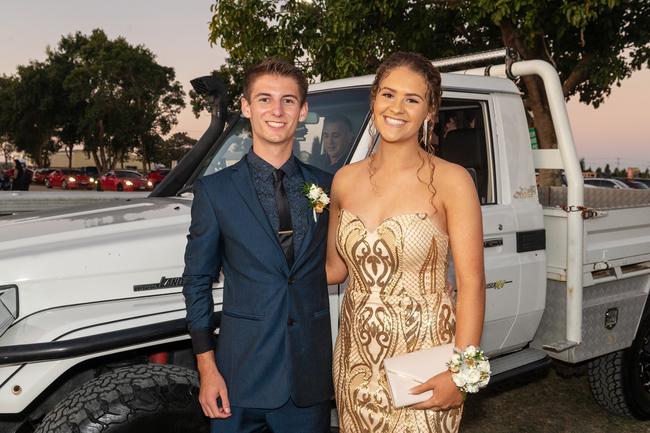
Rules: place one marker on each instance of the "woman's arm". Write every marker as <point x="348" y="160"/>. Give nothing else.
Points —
<point x="465" y="229"/>
<point x="335" y="267"/>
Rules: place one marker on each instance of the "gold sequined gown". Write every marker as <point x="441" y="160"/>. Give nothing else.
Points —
<point x="397" y="301"/>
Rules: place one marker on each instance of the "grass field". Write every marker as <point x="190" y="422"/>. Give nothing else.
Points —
<point x="544" y="403"/>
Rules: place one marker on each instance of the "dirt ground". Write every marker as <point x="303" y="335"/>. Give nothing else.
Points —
<point x="544" y="403"/>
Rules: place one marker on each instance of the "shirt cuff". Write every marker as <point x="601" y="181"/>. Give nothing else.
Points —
<point x="202" y="341"/>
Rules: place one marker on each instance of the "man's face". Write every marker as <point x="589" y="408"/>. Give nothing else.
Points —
<point x="274" y="110"/>
<point x="336" y="139"/>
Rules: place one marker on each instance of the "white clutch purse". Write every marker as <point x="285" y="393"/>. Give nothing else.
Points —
<point x="412" y="369"/>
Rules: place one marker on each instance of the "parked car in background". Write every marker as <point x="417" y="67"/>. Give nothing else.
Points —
<point x="68" y="179"/>
<point x="643" y="180"/>
<point x="123" y="180"/>
<point x="634" y="184"/>
<point x="91" y="172"/>
<point x="605" y="183"/>
<point x="40" y="174"/>
<point x="157" y="175"/>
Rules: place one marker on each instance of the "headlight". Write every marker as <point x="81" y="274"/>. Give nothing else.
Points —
<point x="72" y="179"/>
<point x="149" y="183"/>
<point x="129" y="183"/>
<point x="91" y="180"/>
<point x="8" y="306"/>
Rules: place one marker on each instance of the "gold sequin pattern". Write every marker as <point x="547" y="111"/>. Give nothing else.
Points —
<point x="397" y="301"/>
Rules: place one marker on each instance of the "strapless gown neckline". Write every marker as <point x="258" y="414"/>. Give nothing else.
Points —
<point x="421" y="215"/>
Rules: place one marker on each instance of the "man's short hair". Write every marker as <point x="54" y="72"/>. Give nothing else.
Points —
<point x="337" y="118"/>
<point x="274" y="66"/>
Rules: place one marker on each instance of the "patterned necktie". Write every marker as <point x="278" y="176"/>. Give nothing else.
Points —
<point x="285" y="232"/>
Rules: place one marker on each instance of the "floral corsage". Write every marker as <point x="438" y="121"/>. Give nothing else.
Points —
<point x="470" y="369"/>
<point x="318" y="198"/>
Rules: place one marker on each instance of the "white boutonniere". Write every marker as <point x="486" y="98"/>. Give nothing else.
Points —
<point x="318" y="198"/>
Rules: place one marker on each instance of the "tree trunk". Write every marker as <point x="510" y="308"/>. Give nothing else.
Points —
<point x="98" y="163"/>
<point x="145" y="155"/>
<point x="535" y="98"/>
<point x="68" y="153"/>
<point x="37" y="156"/>
<point x="102" y="154"/>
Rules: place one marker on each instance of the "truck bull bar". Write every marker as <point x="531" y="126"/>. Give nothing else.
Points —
<point x="53" y="350"/>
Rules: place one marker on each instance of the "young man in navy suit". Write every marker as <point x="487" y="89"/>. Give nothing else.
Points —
<point x="271" y="370"/>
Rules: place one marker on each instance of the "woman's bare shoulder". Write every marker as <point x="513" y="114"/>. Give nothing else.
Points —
<point x="452" y="178"/>
<point x="350" y="173"/>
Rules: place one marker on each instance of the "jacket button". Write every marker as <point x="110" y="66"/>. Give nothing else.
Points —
<point x="292" y="280"/>
<point x="291" y="322"/>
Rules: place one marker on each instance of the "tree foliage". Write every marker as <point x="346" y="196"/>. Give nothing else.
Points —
<point x="336" y="38"/>
<point x="110" y="96"/>
<point x="7" y="115"/>
<point x="593" y="44"/>
<point x="173" y="148"/>
<point x="119" y="94"/>
<point x="32" y="98"/>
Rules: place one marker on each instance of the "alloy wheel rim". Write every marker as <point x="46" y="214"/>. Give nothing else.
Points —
<point x="643" y="358"/>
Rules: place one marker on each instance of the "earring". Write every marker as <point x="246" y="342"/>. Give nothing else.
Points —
<point x="425" y="135"/>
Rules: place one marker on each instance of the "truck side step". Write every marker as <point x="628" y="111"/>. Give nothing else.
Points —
<point x="516" y="363"/>
<point x="560" y="346"/>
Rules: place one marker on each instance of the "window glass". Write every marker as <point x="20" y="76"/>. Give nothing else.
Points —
<point x="325" y="139"/>
<point x="128" y="174"/>
<point x="460" y="137"/>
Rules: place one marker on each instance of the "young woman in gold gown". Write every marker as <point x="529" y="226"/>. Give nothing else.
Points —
<point x="394" y="217"/>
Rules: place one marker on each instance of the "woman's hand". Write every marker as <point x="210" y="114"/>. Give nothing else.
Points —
<point x="446" y="394"/>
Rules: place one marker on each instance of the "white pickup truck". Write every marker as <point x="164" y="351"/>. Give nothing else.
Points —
<point x="92" y="332"/>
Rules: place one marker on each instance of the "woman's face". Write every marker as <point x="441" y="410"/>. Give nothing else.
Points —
<point x="400" y="105"/>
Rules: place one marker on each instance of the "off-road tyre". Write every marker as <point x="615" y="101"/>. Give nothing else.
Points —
<point x="147" y="398"/>
<point x="617" y="379"/>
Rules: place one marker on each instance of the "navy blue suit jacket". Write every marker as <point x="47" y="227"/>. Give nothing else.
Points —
<point x="275" y="337"/>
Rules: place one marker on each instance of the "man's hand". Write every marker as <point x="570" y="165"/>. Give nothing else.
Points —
<point x="212" y="387"/>
<point x="446" y="394"/>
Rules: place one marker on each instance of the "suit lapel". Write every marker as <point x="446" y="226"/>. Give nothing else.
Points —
<point x="309" y="236"/>
<point x="241" y="178"/>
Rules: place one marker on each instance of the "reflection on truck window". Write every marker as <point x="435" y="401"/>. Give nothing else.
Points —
<point x="460" y="137"/>
<point x="325" y="139"/>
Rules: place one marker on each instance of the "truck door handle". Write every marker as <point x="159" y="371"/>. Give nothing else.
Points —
<point x="493" y="242"/>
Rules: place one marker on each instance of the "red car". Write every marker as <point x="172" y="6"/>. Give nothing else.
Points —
<point x="157" y="175"/>
<point x="41" y="174"/>
<point x="123" y="180"/>
<point x="68" y="179"/>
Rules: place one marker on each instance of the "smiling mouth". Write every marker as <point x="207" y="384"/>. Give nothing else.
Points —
<point x="394" y="122"/>
<point x="275" y="124"/>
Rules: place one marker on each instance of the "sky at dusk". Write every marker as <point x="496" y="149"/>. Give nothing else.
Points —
<point x="177" y="32"/>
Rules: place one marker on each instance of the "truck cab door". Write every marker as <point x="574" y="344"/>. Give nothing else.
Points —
<point x="514" y="278"/>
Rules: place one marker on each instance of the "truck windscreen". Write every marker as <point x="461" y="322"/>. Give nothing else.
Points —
<point x="325" y="139"/>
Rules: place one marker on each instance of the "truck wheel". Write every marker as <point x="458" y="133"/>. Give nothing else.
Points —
<point x="620" y="381"/>
<point x="148" y="398"/>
